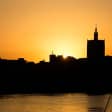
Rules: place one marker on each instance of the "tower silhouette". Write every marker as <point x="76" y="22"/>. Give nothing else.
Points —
<point x="95" y="48"/>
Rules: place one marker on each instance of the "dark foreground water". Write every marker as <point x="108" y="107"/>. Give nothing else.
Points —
<point x="55" y="103"/>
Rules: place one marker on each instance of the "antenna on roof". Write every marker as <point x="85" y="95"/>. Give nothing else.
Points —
<point x="96" y="33"/>
<point x="95" y="27"/>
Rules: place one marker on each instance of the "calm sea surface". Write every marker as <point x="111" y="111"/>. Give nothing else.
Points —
<point x="55" y="103"/>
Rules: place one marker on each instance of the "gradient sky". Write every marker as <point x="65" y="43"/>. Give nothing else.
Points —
<point x="33" y="28"/>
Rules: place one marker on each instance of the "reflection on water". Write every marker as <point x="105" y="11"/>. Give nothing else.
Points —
<point x="54" y="103"/>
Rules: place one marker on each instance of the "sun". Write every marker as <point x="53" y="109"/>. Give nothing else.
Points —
<point x="64" y="49"/>
<point x="65" y="55"/>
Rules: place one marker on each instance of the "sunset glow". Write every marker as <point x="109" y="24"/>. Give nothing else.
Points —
<point x="33" y="28"/>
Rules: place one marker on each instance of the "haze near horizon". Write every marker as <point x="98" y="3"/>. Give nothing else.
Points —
<point x="33" y="28"/>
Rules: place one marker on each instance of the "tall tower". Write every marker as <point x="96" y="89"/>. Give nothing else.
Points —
<point x="96" y="34"/>
<point x="95" y="48"/>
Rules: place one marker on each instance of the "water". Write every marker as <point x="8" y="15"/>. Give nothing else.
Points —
<point x="54" y="103"/>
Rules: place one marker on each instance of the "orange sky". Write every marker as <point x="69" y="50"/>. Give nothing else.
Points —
<point x="33" y="28"/>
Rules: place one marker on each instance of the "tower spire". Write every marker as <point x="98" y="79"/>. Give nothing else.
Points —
<point x="96" y="33"/>
<point x="96" y="28"/>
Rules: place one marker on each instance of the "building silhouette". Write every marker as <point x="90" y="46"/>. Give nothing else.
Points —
<point x="52" y="58"/>
<point x="56" y="59"/>
<point x="95" y="48"/>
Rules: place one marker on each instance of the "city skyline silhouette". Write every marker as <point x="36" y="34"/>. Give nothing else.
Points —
<point x="91" y="75"/>
<point x="81" y="60"/>
<point x="32" y="29"/>
<point x="95" y="49"/>
<point x="55" y="55"/>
